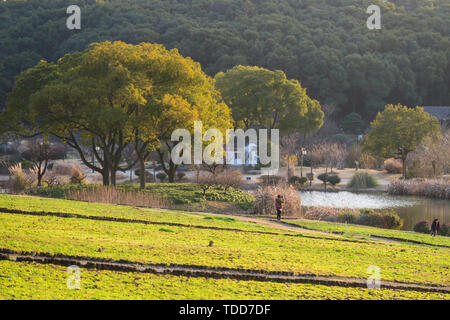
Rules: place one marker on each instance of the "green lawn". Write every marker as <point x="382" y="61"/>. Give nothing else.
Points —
<point x="156" y="244"/>
<point x="188" y="245"/>
<point x="353" y="229"/>
<point x="26" y="203"/>
<point x="20" y="280"/>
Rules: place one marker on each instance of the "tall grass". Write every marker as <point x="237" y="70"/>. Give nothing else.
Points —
<point x="363" y="180"/>
<point x="265" y="200"/>
<point x="434" y="188"/>
<point x="112" y="195"/>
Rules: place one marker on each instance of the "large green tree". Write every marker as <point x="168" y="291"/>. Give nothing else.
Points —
<point x="399" y="130"/>
<point x="112" y="95"/>
<point x="267" y="99"/>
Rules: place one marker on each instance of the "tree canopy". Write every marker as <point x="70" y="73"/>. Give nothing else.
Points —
<point x="267" y="99"/>
<point x="325" y="44"/>
<point x="112" y="95"/>
<point x="399" y="130"/>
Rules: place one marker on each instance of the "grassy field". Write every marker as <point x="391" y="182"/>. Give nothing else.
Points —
<point x="358" y="230"/>
<point x="49" y="282"/>
<point x="168" y="244"/>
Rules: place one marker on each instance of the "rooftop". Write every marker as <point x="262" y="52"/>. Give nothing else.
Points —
<point x="441" y="112"/>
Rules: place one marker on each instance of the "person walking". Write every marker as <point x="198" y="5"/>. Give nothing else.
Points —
<point x="434" y="227"/>
<point x="279" y="205"/>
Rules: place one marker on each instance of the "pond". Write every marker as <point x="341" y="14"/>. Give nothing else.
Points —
<point x="410" y="209"/>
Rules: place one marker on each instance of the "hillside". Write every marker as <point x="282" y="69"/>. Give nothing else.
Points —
<point x="323" y="43"/>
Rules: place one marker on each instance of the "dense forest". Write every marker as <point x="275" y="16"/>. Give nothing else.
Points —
<point x="325" y="44"/>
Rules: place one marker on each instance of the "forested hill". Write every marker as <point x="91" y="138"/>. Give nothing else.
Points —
<point x="323" y="43"/>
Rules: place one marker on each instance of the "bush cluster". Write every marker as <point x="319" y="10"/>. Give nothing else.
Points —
<point x="298" y="181"/>
<point x="432" y="188"/>
<point x="393" y="165"/>
<point x="362" y="180"/>
<point x="265" y="200"/>
<point x="333" y="179"/>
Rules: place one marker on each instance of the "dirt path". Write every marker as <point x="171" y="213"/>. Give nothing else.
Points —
<point x="209" y="272"/>
<point x="285" y="226"/>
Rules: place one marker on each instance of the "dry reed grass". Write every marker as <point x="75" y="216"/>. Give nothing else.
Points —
<point x="112" y="195"/>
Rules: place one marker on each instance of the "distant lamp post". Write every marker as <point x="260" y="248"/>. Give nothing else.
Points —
<point x="303" y="156"/>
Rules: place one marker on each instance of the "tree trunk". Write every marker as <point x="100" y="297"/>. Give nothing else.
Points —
<point x="142" y="174"/>
<point x="105" y="175"/>
<point x="113" y="177"/>
<point x="172" y="171"/>
<point x="404" y="168"/>
<point x="433" y="163"/>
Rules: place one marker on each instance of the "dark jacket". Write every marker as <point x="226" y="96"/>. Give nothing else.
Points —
<point x="435" y="225"/>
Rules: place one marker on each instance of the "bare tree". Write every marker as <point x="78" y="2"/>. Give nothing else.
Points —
<point x="229" y="179"/>
<point x="40" y="152"/>
<point x="434" y="155"/>
<point x="333" y="154"/>
<point x="206" y="182"/>
<point x="290" y="151"/>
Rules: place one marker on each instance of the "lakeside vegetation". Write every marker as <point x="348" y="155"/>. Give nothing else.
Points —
<point x="439" y="189"/>
<point x="358" y="230"/>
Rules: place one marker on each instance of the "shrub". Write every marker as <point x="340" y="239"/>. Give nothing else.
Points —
<point x="27" y="164"/>
<point x="265" y="200"/>
<point x="161" y="176"/>
<point x="330" y="178"/>
<point x="444" y="230"/>
<point x="362" y="180"/>
<point x="323" y="177"/>
<point x="393" y="165"/>
<point x="298" y="181"/>
<point x="422" y="227"/>
<point x="367" y="161"/>
<point x="19" y="180"/>
<point x="380" y="219"/>
<point x="370" y="219"/>
<point x="346" y="216"/>
<point x="334" y="179"/>
<point x="181" y="175"/>
<point x="391" y="220"/>
<point x="77" y="176"/>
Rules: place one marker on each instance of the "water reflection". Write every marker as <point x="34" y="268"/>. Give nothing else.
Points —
<point x="410" y="209"/>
